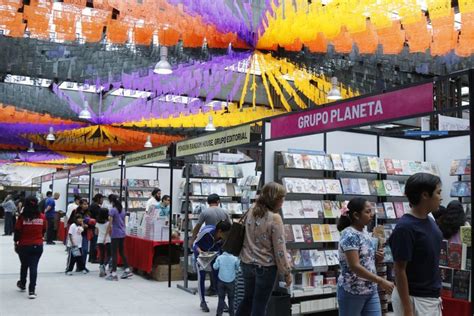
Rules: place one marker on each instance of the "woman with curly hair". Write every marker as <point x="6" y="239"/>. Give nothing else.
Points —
<point x="451" y="220"/>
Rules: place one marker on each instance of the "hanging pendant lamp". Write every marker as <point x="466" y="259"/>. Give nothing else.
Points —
<point x="109" y="153"/>
<point x="85" y="114"/>
<point x="210" y="125"/>
<point x="51" y="136"/>
<point x="148" y="143"/>
<point x="334" y="94"/>
<point x="163" y="67"/>
<point x="31" y="149"/>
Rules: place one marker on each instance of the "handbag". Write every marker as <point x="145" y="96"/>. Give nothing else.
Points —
<point x="235" y="238"/>
<point x="76" y="252"/>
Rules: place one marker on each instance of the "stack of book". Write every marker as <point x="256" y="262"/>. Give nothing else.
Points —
<point x="309" y="233"/>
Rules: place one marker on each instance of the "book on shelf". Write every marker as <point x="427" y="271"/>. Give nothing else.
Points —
<point x="389" y="210"/>
<point x="326" y="232"/>
<point x="328" y="164"/>
<point x="316" y="232"/>
<point x="206" y="188"/>
<point x="461" y="284"/>
<point x="415" y="167"/>
<point x="454" y="255"/>
<point x="461" y="189"/>
<point x="196" y="188"/>
<point x="392" y="188"/>
<point x="443" y="257"/>
<point x="389" y="166"/>
<point x="373" y="164"/>
<point x="197" y="170"/>
<point x="289" y="237"/>
<point x="298" y="233"/>
<point x="336" y="208"/>
<point x="288" y="160"/>
<point x="446" y="281"/>
<point x="291" y="209"/>
<point x="351" y="163"/>
<point x="307" y="234"/>
<point x="406" y="207"/>
<point x="332" y="257"/>
<point x="380" y="211"/>
<point x="333" y="186"/>
<point x="316" y="162"/>
<point x="213" y="171"/>
<point x="306" y="160"/>
<point x="306" y="257"/>
<point x="466" y="258"/>
<point x="298" y="161"/>
<point x="318" y="258"/>
<point x="222" y="171"/>
<point x="335" y="234"/>
<point x="337" y="162"/>
<point x="397" y="166"/>
<point x="296" y="258"/>
<point x="399" y="210"/>
<point x="364" y="186"/>
<point x="311" y="209"/>
<point x="380" y="188"/>
<point x="465" y="233"/>
<point x="327" y="209"/>
<point x="406" y="169"/>
<point x="460" y="167"/>
<point x="230" y="170"/>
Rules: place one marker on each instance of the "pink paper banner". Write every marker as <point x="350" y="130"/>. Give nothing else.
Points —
<point x="391" y="105"/>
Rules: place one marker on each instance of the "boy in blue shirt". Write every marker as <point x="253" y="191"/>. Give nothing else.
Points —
<point x="209" y="239"/>
<point x="227" y="265"/>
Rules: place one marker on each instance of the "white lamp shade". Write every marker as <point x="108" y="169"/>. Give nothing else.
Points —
<point x="51" y="136"/>
<point x="334" y="93"/>
<point x="31" y="149"/>
<point x="85" y="114"/>
<point x="148" y="143"/>
<point x="210" y="125"/>
<point x="163" y="67"/>
<point x="109" y="153"/>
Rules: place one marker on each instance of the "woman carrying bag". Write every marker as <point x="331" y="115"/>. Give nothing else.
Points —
<point x="263" y="254"/>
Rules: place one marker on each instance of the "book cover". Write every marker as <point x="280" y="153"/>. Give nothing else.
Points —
<point x="396" y="189"/>
<point x="461" y="284"/>
<point x="307" y="233"/>
<point x="364" y="164"/>
<point x="230" y="171"/>
<point x="406" y="170"/>
<point x="317" y="234"/>
<point x="399" y="211"/>
<point x="351" y="163"/>
<point x="300" y="185"/>
<point x="288" y="211"/>
<point x="289" y="185"/>
<point x="296" y="258"/>
<point x="326" y="232"/>
<point x="239" y="173"/>
<point x="318" y="258"/>
<point x="288" y="233"/>
<point x="426" y="167"/>
<point x="332" y="258"/>
<point x="231" y="189"/>
<point x="327" y="209"/>
<point x="446" y="281"/>
<point x="197" y="170"/>
<point x="355" y="186"/>
<point x="389" y="210"/>
<point x="465" y="232"/>
<point x="382" y="165"/>
<point x="467" y="170"/>
<point x="380" y="188"/>
<point x="306" y="159"/>
<point x="333" y="186"/>
<point x="397" y="166"/>
<point x="374" y="164"/>
<point x="443" y="256"/>
<point x="319" y="187"/>
<point x="328" y="163"/>
<point x="298" y="161"/>
<point x="298" y="233"/>
<point x="335" y="234"/>
<point x="364" y="187"/>
<point x="389" y="166"/>
<point x="406" y="207"/>
<point x="337" y="162"/>
<point x="205" y="188"/>
<point x="388" y="186"/>
<point x="454" y="167"/>
<point x="297" y="208"/>
<point x="435" y="169"/>
<point x="309" y="209"/>
<point x="454" y="255"/>
<point x="466" y="258"/>
<point x="346" y="186"/>
<point x="415" y="167"/>
<point x="461" y="167"/>
<point x="222" y="171"/>
<point x="318" y="208"/>
<point x="373" y="188"/>
<point x="306" y="256"/>
<point x="336" y="208"/>
<point x="461" y="189"/>
<point x="315" y="163"/>
<point x="380" y="211"/>
<point x="213" y="171"/>
<point x="196" y="188"/>
<point x="288" y="160"/>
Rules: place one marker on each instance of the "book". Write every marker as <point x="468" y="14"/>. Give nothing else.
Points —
<point x="397" y="166"/>
<point x="307" y="233"/>
<point x="415" y="167"/>
<point x="397" y="189"/>
<point x="454" y="167"/>
<point x="454" y="255"/>
<point x="351" y="163"/>
<point x="467" y="170"/>
<point x="364" y="187"/>
<point x="399" y="211"/>
<point x="346" y="186"/>
<point x="196" y="188"/>
<point x="318" y="208"/>
<point x="355" y="186"/>
<point x="197" y="170"/>
<point x="335" y="234"/>
<point x="333" y="186"/>
<point x="461" y="284"/>
<point x="461" y="189"/>
<point x="406" y="170"/>
<point x="364" y="164"/>
<point x="306" y="257"/>
<point x="374" y="164"/>
<point x="380" y="211"/>
<point x="298" y="161"/>
<point x="326" y="232"/>
<point x="332" y="257"/>
<point x="316" y="231"/>
<point x="297" y="208"/>
<point x="309" y="209"/>
<point x="465" y="232"/>
<point x="336" y="209"/>
<point x="288" y="160"/>
<point x="466" y="258"/>
<point x="288" y="233"/>
<point x="461" y="170"/>
<point x="289" y="185"/>
<point x="214" y="171"/>
<point x="230" y="171"/>
<point x="388" y="186"/>
<point x="328" y="163"/>
<point x="296" y="258"/>
<point x="319" y="187"/>
<point x="446" y="281"/>
<point x="318" y="258"/>
<point x="288" y="211"/>
<point x="380" y="187"/>
<point x="389" y="166"/>
<point x="373" y="188"/>
<point x="406" y="207"/>
<point x="222" y="171"/>
<point x="337" y="162"/>
<point x="327" y="209"/>
<point x="389" y="210"/>
<point x="298" y="233"/>
<point x="443" y="256"/>
<point x="306" y="159"/>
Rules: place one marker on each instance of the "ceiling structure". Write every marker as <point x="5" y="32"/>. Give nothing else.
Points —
<point x="237" y="61"/>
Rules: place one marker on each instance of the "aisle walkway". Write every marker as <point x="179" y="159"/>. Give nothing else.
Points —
<point x="80" y="294"/>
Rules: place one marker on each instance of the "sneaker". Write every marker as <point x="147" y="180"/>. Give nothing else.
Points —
<point x="111" y="277"/>
<point x="85" y="271"/>
<point x="102" y="271"/>
<point x="32" y="295"/>
<point x="225" y="309"/>
<point x="68" y="272"/>
<point x="126" y="275"/>
<point x="204" y="307"/>
<point x="20" y="286"/>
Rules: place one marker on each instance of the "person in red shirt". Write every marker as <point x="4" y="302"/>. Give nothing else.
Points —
<point x="29" y="231"/>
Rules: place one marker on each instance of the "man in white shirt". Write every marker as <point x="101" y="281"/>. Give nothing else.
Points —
<point x="154" y="200"/>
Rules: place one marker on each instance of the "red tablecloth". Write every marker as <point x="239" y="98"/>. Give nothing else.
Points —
<point x="454" y="307"/>
<point x="140" y="252"/>
<point x="61" y="231"/>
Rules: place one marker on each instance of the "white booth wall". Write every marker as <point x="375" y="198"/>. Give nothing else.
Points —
<point x="442" y="152"/>
<point x="45" y="187"/>
<point x="60" y="186"/>
<point x="400" y="148"/>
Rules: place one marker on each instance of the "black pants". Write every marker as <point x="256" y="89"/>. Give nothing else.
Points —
<point x="71" y="261"/>
<point x="29" y="258"/>
<point x="117" y="244"/>
<point x="50" y="233"/>
<point x="223" y="289"/>
<point x="8" y="229"/>
<point x="93" y="249"/>
<point x="104" y="250"/>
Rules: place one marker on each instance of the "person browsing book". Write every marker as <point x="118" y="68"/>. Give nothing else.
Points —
<point x="357" y="293"/>
<point x="451" y="220"/>
<point x="211" y="215"/>
<point x="416" y="247"/>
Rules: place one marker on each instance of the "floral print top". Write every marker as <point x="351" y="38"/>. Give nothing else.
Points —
<point x="352" y="239"/>
<point x="264" y="242"/>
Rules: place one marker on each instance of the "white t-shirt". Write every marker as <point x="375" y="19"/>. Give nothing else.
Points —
<point x="102" y="229"/>
<point x="151" y="204"/>
<point x="76" y="233"/>
<point x="70" y="208"/>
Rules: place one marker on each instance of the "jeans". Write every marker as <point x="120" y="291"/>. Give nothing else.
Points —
<point x="202" y="280"/>
<point x="29" y="258"/>
<point x="85" y="249"/>
<point x="71" y="261"/>
<point x="258" y="286"/>
<point x="8" y="229"/>
<point x="50" y="232"/>
<point x="117" y="244"/>
<point x="223" y="289"/>
<point x="104" y="253"/>
<point x="358" y="305"/>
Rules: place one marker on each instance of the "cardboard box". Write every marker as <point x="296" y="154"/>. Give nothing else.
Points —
<point x="160" y="272"/>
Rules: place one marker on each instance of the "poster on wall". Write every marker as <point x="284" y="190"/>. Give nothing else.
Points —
<point x="397" y="104"/>
<point x="11" y="175"/>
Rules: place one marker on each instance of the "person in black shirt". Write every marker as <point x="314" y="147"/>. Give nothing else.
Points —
<point x="416" y="246"/>
<point x="94" y="209"/>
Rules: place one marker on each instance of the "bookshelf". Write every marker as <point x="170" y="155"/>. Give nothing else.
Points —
<point x="78" y="185"/>
<point x="137" y="193"/>
<point x="461" y="188"/>
<point x="319" y="186"/>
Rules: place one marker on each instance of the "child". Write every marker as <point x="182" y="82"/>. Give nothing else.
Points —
<point x="103" y="239"/>
<point x="75" y="246"/>
<point x="227" y="265"/>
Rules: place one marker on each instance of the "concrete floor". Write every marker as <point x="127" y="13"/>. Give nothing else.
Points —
<point x="80" y="294"/>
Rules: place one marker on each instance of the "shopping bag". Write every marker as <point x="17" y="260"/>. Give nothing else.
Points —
<point x="235" y="238"/>
<point x="76" y="252"/>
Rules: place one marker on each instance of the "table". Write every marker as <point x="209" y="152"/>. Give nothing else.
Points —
<point x="455" y="307"/>
<point x="140" y="252"/>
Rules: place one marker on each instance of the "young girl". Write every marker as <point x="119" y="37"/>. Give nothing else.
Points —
<point x="116" y="229"/>
<point x="357" y="293"/>
<point x="103" y="239"/>
<point x="74" y="243"/>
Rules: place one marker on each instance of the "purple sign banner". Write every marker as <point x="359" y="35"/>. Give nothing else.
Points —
<point x="391" y="105"/>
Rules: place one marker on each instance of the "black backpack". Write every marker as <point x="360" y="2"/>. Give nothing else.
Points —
<point x="42" y="205"/>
